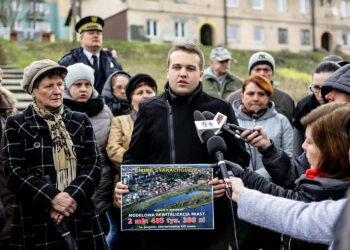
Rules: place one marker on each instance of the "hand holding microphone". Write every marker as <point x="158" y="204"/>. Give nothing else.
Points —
<point x="258" y="138"/>
<point x="237" y="186"/>
<point x="230" y="128"/>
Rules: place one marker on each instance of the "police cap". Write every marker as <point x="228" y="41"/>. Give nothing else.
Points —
<point x="89" y="23"/>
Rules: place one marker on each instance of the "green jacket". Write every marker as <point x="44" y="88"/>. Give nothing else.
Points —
<point x="212" y="86"/>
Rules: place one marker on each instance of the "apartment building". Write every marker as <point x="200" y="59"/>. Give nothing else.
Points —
<point x="295" y="25"/>
<point x="38" y="20"/>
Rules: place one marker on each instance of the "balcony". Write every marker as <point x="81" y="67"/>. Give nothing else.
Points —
<point x="38" y="15"/>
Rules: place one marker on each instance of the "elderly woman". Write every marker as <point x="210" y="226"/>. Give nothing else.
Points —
<point x="326" y="150"/>
<point x="81" y="96"/>
<point x="255" y="108"/>
<point x="139" y="88"/>
<point x="52" y="164"/>
<point x="114" y="93"/>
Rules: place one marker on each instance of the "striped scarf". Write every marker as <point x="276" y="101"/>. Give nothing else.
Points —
<point x="64" y="156"/>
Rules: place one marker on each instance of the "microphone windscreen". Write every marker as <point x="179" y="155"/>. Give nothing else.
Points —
<point x="205" y="135"/>
<point x="215" y="144"/>
<point x="198" y="116"/>
<point x="208" y="115"/>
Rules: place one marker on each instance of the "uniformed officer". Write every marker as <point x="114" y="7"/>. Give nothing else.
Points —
<point x="91" y="53"/>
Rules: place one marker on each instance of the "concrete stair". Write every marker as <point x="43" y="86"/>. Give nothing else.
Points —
<point x="11" y="79"/>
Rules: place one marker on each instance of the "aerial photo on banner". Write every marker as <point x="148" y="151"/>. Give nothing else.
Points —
<point x="167" y="197"/>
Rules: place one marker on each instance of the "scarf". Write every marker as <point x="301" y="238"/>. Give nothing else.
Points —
<point x="64" y="156"/>
<point x="133" y="115"/>
<point x="253" y="114"/>
<point x="92" y="107"/>
<point x="313" y="173"/>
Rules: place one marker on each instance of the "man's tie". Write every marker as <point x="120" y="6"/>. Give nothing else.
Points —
<point x="95" y="65"/>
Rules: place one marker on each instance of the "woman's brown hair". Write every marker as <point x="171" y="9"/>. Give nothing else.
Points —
<point x="261" y="82"/>
<point x="327" y="135"/>
<point x="346" y="127"/>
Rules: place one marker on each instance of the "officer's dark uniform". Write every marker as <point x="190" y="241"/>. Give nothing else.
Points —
<point x="107" y="63"/>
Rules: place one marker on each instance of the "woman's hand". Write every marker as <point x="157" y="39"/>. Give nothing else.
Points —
<point x="64" y="204"/>
<point x="56" y="216"/>
<point x="258" y="138"/>
<point x="236" y="185"/>
<point x="219" y="187"/>
<point x="119" y="190"/>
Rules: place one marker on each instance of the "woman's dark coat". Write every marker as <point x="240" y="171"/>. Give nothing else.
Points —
<point x="304" y="106"/>
<point x="28" y="162"/>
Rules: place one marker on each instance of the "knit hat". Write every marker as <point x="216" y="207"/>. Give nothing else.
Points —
<point x="220" y="54"/>
<point x="336" y="59"/>
<point x="339" y="80"/>
<point x="259" y="58"/>
<point x="36" y="69"/>
<point x="140" y="77"/>
<point x="79" y="71"/>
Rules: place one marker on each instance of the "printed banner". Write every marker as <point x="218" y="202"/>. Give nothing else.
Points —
<point x="167" y="197"/>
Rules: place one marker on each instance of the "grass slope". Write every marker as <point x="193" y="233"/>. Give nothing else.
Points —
<point x="293" y="71"/>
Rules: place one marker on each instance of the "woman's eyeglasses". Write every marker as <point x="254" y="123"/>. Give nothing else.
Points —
<point x="119" y="87"/>
<point x="314" y="88"/>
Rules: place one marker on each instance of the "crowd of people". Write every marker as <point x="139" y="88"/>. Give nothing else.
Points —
<point x="61" y="157"/>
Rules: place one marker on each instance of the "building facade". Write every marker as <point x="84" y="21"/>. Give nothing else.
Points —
<point x="34" y="20"/>
<point x="295" y="25"/>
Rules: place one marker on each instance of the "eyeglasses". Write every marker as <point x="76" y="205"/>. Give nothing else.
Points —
<point x="314" y="88"/>
<point x="119" y="87"/>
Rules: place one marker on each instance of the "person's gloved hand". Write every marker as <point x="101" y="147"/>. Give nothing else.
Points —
<point x="236" y="169"/>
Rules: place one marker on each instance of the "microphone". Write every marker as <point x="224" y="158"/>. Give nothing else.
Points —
<point x="210" y="116"/>
<point x="217" y="146"/>
<point x="224" y="126"/>
<point x="203" y="135"/>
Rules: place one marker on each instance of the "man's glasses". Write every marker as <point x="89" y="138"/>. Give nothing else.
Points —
<point x="314" y="88"/>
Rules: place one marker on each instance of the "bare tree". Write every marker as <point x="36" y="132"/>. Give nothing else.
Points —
<point x="9" y="11"/>
<point x="34" y="14"/>
<point x="74" y="17"/>
<point x="15" y="12"/>
<point x="3" y="12"/>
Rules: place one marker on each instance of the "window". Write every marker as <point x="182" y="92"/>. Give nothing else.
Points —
<point x="232" y="3"/>
<point x="41" y="26"/>
<point x="321" y="3"/>
<point x="232" y="33"/>
<point x="258" y="4"/>
<point x="180" y="30"/>
<point x="305" y="37"/>
<point x="282" y="5"/>
<point x="152" y="28"/>
<point x="304" y="7"/>
<point x="345" y="8"/>
<point x="16" y="7"/>
<point x="259" y="35"/>
<point x="41" y="8"/>
<point x="180" y="1"/>
<point x="18" y="25"/>
<point x="282" y="36"/>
